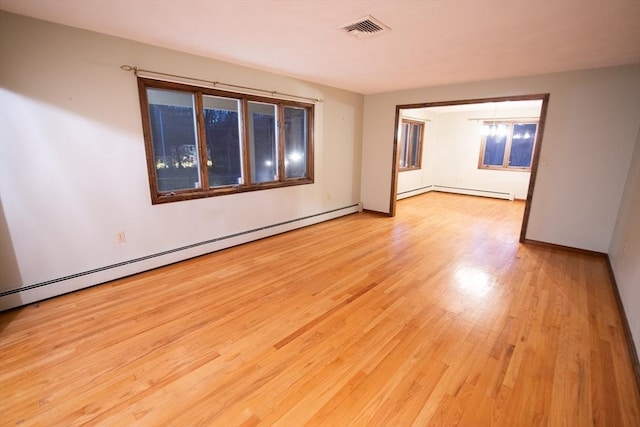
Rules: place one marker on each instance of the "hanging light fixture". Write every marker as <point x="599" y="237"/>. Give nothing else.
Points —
<point x="492" y="129"/>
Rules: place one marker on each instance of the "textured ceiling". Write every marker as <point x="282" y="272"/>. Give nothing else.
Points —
<point x="430" y="42"/>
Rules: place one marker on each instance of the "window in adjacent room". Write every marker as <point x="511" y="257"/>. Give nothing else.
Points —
<point x="203" y="142"/>
<point x="410" y="144"/>
<point x="507" y="145"/>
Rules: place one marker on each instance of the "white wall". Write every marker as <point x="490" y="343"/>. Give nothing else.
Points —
<point x="73" y="169"/>
<point x="451" y="152"/>
<point x="458" y="150"/>
<point x="589" y="136"/>
<point x="624" y="251"/>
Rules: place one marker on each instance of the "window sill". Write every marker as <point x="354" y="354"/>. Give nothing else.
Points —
<point x="500" y="168"/>
<point x="182" y="195"/>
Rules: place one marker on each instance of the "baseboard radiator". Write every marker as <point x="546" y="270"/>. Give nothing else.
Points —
<point x="456" y="190"/>
<point x="474" y="192"/>
<point x="414" y="192"/>
<point x="35" y="292"/>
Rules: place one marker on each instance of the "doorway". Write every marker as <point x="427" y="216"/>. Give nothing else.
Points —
<point x="487" y="147"/>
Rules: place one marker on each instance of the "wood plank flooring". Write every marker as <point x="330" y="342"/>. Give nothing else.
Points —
<point x="436" y="317"/>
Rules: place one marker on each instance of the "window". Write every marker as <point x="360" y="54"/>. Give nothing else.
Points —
<point x="204" y="142"/>
<point x="507" y="145"/>
<point x="411" y="133"/>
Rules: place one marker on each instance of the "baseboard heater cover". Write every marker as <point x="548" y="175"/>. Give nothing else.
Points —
<point x="415" y="191"/>
<point x="353" y="208"/>
<point x="475" y="192"/>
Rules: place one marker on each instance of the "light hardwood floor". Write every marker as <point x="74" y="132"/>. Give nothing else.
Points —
<point x="436" y="317"/>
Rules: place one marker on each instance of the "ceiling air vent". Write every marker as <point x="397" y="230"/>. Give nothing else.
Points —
<point x="365" y="27"/>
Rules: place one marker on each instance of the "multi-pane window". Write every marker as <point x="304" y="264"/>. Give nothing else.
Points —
<point x="222" y="135"/>
<point x="263" y="142"/>
<point x="296" y="141"/>
<point x="202" y="142"/>
<point x="507" y="145"/>
<point x="410" y="144"/>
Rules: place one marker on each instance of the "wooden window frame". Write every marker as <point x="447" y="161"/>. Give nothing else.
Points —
<point x="408" y="149"/>
<point x="507" y="149"/>
<point x="158" y="196"/>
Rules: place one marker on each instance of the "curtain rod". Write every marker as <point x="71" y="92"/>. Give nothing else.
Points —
<point x="137" y="72"/>
<point x="416" y="118"/>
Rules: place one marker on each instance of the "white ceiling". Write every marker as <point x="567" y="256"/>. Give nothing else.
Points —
<point x="430" y="42"/>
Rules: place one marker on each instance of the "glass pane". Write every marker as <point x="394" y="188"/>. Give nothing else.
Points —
<point x="416" y="131"/>
<point x="295" y="142"/>
<point x="522" y="141"/>
<point x="262" y="142"/>
<point x="404" y="142"/>
<point x="222" y="129"/>
<point x="173" y="134"/>
<point x="494" y="149"/>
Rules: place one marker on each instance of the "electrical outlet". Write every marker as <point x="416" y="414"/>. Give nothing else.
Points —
<point x="120" y="237"/>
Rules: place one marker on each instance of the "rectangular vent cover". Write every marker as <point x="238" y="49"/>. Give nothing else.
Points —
<point x="365" y="27"/>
